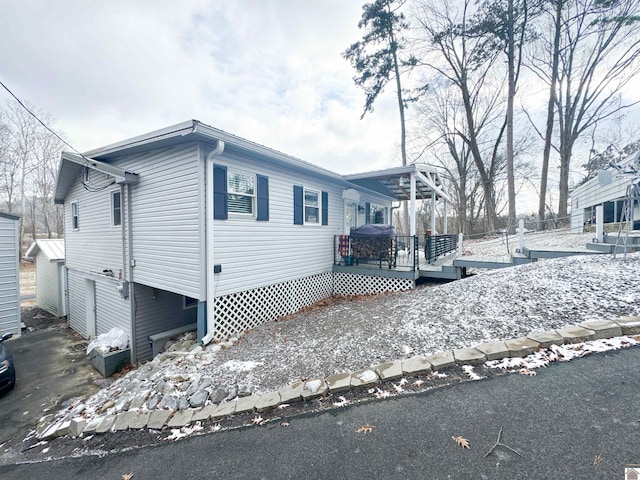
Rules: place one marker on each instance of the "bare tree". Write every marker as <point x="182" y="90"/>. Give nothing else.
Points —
<point x="597" y="49"/>
<point x="457" y="57"/>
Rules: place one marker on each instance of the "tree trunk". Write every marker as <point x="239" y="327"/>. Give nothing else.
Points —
<point x="511" y="184"/>
<point x="550" y="117"/>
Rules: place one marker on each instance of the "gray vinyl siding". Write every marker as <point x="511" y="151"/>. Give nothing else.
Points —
<point x="9" y="277"/>
<point x="157" y="311"/>
<point x="76" y="297"/>
<point x="96" y="245"/>
<point x="112" y="311"/>
<point x="166" y="219"/>
<point x="254" y="254"/>
<point x="47" y="285"/>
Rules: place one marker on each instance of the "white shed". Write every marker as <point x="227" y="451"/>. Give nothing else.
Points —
<point x="50" y="275"/>
<point x="9" y="275"/>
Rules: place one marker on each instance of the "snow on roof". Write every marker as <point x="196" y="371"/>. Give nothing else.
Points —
<point x="53" y="249"/>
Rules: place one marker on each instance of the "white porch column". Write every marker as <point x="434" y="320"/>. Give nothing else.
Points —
<point x="433" y="213"/>
<point x="520" y="234"/>
<point x="446" y="222"/>
<point x="412" y="206"/>
<point x="600" y="223"/>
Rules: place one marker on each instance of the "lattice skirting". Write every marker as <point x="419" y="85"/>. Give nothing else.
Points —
<point x="241" y="311"/>
<point x="349" y="284"/>
<point x="245" y="310"/>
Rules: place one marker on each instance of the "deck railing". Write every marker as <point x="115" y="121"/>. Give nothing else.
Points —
<point x="437" y="246"/>
<point x="389" y="252"/>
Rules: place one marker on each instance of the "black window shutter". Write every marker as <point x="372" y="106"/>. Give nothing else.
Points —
<point x="325" y="208"/>
<point x="367" y="212"/>
<point x="219" y="192"/>
<point x="263" y="198"/>
<point x="298" y="205"/>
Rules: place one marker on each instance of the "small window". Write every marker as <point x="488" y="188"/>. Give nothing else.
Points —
<point x="241" y="189"/>
<point x="188" y="302"/>
<point x="116" y="209"/>
<point x="311" y="206"/>
<point x="75" y="224"/>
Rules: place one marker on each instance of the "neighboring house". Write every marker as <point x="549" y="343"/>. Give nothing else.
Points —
<point x="609" y="189"/>
<point x="51" y="277"/>
<point x="192" y="224"/>
<point x="9" y="275"/>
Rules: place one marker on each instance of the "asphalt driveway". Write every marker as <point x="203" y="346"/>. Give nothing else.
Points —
<point x="51" y="367"/>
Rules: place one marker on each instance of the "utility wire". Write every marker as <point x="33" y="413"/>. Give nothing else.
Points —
<point x="40" y="121"/>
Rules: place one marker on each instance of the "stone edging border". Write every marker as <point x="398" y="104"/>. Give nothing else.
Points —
<point x="340" y="382"/>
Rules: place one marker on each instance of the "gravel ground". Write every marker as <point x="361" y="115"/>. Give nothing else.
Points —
<point x="502" y="304"/>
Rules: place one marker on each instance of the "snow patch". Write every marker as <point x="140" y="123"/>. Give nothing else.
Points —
<point x="238" y="366"/>
<point x="368" y="376"/>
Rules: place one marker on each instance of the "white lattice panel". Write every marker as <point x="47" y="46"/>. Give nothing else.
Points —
<point x="245" y="310"/>
<point x="348" y="284"/>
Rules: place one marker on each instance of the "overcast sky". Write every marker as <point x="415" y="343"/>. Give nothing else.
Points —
<point x="270" y="71"/>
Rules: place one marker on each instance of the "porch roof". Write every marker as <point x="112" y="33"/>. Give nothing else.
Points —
<point x="396" y="182"/>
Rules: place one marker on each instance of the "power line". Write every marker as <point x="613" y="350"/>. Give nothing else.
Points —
<point x="40" y="121"/>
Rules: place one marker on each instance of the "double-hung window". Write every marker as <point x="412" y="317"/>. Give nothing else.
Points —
<point x="116" y="208"/>
<point x="311" y="207"/>
<point x="241" y="191"/>
<point x="75" y="224"/>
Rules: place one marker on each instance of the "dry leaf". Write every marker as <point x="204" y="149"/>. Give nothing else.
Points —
<point x="127" y="476"/>
<point x="215" y="428"/>
<point x="526" y="371"/>
<point x="463" y="442"/>
<point x="366" y="429"/>
<point x="284" y="424"/>
<point x="257" y="420"/>
<point x="598" y="459"/>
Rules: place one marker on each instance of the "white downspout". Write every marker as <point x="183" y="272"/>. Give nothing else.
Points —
<point x="216" y="152"/>
<point x="412" y="229"/>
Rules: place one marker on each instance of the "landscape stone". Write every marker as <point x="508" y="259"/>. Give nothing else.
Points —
<point x="521" y="347"/>
<point x="469" y="356"/>
<point x="416" y="366"/>
<point x="180" y="419"/>
<point x="364" y="378"/>
<point x="224" y="409"/>
<point x="389" y="371"/>
<point x="106" y="424"/>
<point x="493" y="350"/>
<point x="441" y="360"/>
<point x="123" y="419"/>
<point x="603" y="328"/>
<point x="63" y="428"/>
<point x="231" y="394"/>
<point x="169" y="402"/>
<point x="49" y="431"/>
<point x="576" y="334"/>
<point x="246" y="390"/>
<point x="246" y="404"/>
<point x="339" y="382"/>
<point x="76" y="426"/>
<point x="547" y="338"/>
<point x="203" y="413"/>
<point x="158" y="418"/>
<point x="153" y="401"/>
<point x="139" y="400"/>
<point x="140" y="420"/>
<point x="314" y="388"/>
<point x="197" y="399"/>
<point x="183" y="403"/>
<point x="218" y="395"/>
<point x="92" y="425"/>
<point x="267" y="401"/>
<point x="291" y="393"/>
<point x="629" y="325"/>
